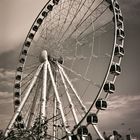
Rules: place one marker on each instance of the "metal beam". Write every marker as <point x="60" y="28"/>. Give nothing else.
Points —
<point x="74" y="90"/>
<point x="27" y="93"/>
<point x="43" y="95"/>
<point x="69" y="99"/>
<point x="98" y="132"/>
<point x="32" y="113"/>
<point x="58" y="98"/>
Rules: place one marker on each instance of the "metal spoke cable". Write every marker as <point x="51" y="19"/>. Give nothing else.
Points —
<point x="81" y="22"/>
<point x="78" y="10"/>
<point x="92" y="48"/>
<point x="91" y="23"/>
<point x="79" y="75"/>
<point x="98" y="29"/>
<point x="29" y="65"/>
<point x="26" y="86"/>
<point x="27" y="82"/>
<point x="70" y="6"/>
<point x="75" y="57"/>
<point x="34" y="103"/>
<point x="27" y="113"/>
<point x="84" y="92"/>
<point x="29" y="73"/>
<point x="66" y="17"/>
<point x="31" y="55"/>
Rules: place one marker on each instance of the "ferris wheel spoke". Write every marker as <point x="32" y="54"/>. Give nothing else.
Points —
<point x="69" y="13"/>
<point x="80" y="76"/>
<point x="100" y="29"/>
<point x="77" y="11"/>
<point x="93" y="13"/>
<point x="70" y="6"/>
<point x="56" y="14"/>
<point x="91" y="56"/>
<point x="82" y="20"/>
<point x="92" y="22"/>
<point x="31" y="67"/>
<point x="34" y="56"/>
<point x="25" y="86"/>
<point x="26" y="83"/>
<point x="101" y="9"/>
<point x="29" y="74"/>
<point x="28" y="66"/>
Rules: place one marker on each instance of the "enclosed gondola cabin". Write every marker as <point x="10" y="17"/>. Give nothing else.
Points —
<point x="119" y="51"/>
<point x="109" y="87"/>
<point x="17" y="102"/>
<point x="101" y="104"/>
<point x="120" y="34"/>
<point x="17" y="94"/>
<point x="92" y="119"/>
<point x="31" y="36"/>
<point x="119" y="19"/>
<point x="50" y="7"/>
<point x="117" y="7"/>
<point x="55" y="2"/>
<point x="74" y="137"/>
<point x="44" y="14"/>
<point x="115" y="69"/>
<point x="82" y="131"/>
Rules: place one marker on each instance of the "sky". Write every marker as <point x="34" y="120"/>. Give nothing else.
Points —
<point x="17" y="17"/>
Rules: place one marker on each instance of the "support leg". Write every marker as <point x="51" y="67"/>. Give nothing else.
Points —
<point x="17" y="112"/>
<point x="58" y="98"/>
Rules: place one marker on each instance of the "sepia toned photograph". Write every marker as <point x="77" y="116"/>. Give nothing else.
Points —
<point x="69" y="70"/>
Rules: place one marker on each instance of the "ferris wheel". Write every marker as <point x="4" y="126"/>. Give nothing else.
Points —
<point x="67" y="69"/>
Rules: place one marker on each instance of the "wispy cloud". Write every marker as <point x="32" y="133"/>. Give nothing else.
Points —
<point x="6" y="80"/>
<point x="121" y="109"/>
<point x="131" y="10"/>
<point x="121" y="101"/>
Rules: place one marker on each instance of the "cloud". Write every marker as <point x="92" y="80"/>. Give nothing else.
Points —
<point x="121" y="109"/>
<point x="9" y="59"/>
<point x="6" y="98"/>
<point x="131" y="11"/>
<point x="16" y="20"/>
<point x="6" y="111"/>
<point x="121" y="101"/>
<point x="6" y="80"/>
<point x="6" y="108"/>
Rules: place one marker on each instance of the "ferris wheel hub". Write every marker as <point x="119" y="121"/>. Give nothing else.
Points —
<point x="43" y="56"/>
